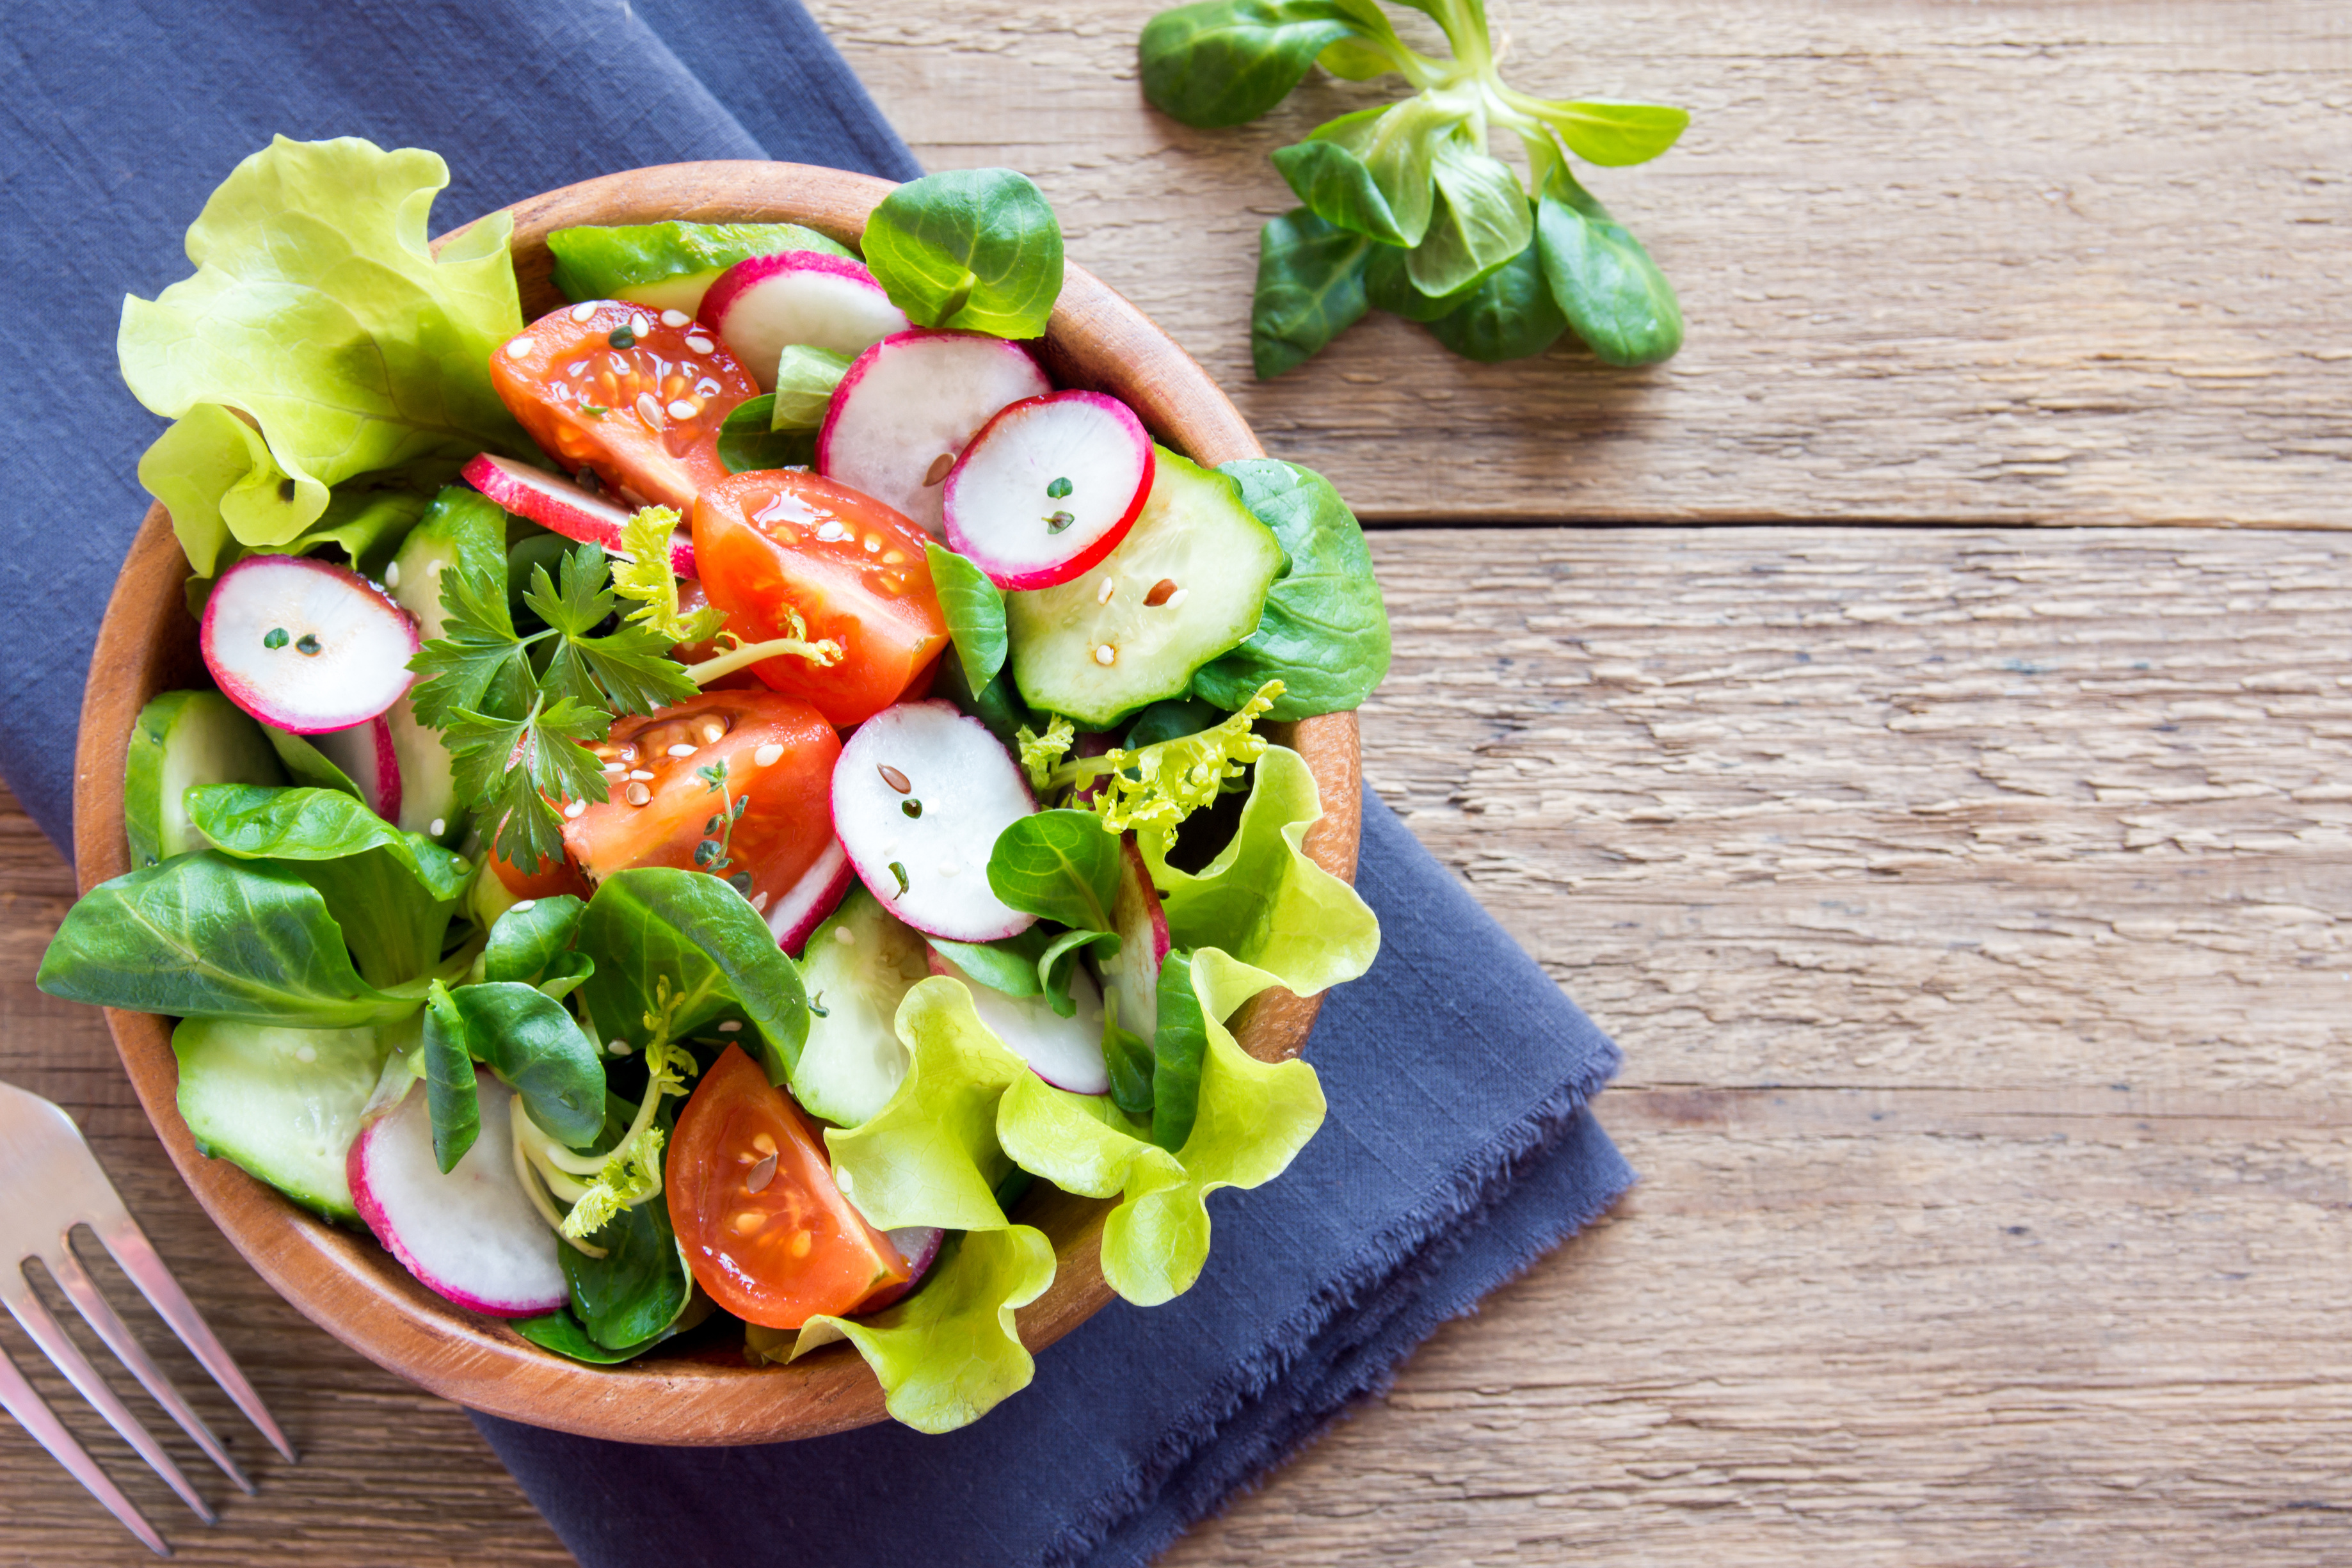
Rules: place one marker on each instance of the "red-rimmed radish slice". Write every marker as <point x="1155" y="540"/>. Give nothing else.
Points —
<point x="762" y="305"/>
<point x="919" y="1245"/>
<point x="1066" y="1052"/>
<point x="472" y="1235"/>
<point x="1049" y="487"/>
<point x="1143" y="928"/>
<point x="807" y="902"/>
<point x="909" y="406"/>
<point x="366" y="754"/>
<point x="306" y="645"/>
<point x="555" y="502"/>
<point x="918" y="797"/>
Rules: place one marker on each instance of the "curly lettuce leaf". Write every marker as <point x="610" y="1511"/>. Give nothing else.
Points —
<point x="1252" y="1119"/>
<point x="1151" y="790"/>
<point x="318" y="313"/>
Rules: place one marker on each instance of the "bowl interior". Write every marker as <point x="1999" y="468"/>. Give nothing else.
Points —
<point x="342" y="1279"/>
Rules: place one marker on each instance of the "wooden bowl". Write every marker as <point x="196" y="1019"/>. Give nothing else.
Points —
<point x="340" y="1278"/>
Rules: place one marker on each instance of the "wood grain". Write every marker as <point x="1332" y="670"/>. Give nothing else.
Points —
<point x="1972" y="906"/>
<point x="2006" y="262"/>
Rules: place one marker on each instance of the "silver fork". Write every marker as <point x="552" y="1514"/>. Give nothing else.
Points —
<point x="50" y="1183"/>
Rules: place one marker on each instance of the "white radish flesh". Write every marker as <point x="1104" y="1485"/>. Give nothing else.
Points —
<point x="764" y="304"/>
<point x="1066" y="1052"/>
<point x="471" y="1235"/>
<point x="555" y="502"/>
<point x="909" y="406"/>
<point x="918" y="797"/>
<point x="1049" y="487"/>
<point x="807" y="902"/>
<point x="305" y="645"/>
<point x="1143" y="928"/>
<point x="369" y="758"/>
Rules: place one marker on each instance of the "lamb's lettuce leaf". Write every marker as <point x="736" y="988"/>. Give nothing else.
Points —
<point x="975" y="249"/>
<point x="654" y="924"/>
<point x="317" y="312"/>
<point x="1324" y="632"/>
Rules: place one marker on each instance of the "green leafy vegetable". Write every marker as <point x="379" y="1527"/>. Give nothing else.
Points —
<point x="1613" y="293"/>
<point x="655" y="926"/>
<point x="1324" y="633"/>
<point x="452" y="1094"/>
<point x="805" y="378"/>
<point x="1508" y="314"/>
<point x="749" y="441"/>
<point x="974" y="607"/>
<point x="1225" y="62"/>
<point x="599" y="263"/>
<point x="1388" y="287"/>
<point x="268" y="822"/>
<point x="628" y="1298"/>
<point x="530" y="1041"/>
<point x="1009" y="964"/>
<point x="976" y="249"/>
<point x="644" y="577"/>
<point x="1178" y="1049"/>
<point x="317" y="309"/>
<point x="1310" y="289"/>
<point x="1039" y="753"/>
<point x="526" y="940"/>
<point x="1479" y="221"/>
<point x="1149" y="792"/>
<point x="1056" y="964"/>
<point x="1370" y="172"/>
<point x="1063" y="865"/>
<point x="562" y="1332"/>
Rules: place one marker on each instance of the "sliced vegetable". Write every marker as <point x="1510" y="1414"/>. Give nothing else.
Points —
<point x="908" y="407"/>
<point x="282" y="1103"/>
<point x="180" y="739"/>
<point x="859" y="967"/>
<point x="305" y="645"/>
<point x="815" y="896"/>
<point x="465" y="531"/>
<point x="1133" y="975"/>
<point x="555" y="502"/>
<point x="918" y="799"/>
<point x="764" y="304"/>
<point x="1067" y="1052"/>
<point x="668" y="266"/>
<point x="365" y="755"/>
<point x="1047" y="488"/>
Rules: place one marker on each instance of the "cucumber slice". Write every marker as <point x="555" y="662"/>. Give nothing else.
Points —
<point x="465" y="530"/>
<point x="183" y="739"/>
<point x="1193" y="534"/>
<point x="284" y="1104"/>
<point x="853" y="1061"/>
<point x="668" y="266"/>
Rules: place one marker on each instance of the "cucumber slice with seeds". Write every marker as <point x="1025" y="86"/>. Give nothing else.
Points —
<point x="1186" y="584"/>
<point x="183" y="739"/>
<point x="284" y="1104"/>
<point x="853" y="1061"/>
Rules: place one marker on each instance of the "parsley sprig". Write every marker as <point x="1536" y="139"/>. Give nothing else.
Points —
<point x="516" y="717"/>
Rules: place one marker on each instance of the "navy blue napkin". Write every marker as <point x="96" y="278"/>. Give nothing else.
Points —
<point x="1459" y="1148"/>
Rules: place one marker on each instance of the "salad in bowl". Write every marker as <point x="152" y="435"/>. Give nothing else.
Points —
<point x="740" y="812"/>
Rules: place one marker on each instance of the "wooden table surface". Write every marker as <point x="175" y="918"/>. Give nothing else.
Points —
<point x="1914" y="720"/>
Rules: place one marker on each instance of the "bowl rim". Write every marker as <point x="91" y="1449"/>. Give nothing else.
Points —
<point x="342" y="1279"/>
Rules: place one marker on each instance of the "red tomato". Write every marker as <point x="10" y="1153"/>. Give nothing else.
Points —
<point x="623" y="392"/>
<point x="665" y="807"/>
<point x="751" y="1197"/>
<point x="771" y="542"/>
<point x="553" y="877"/>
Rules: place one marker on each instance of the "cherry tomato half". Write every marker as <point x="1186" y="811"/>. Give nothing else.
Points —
<point x="761" y="825"/>
<point x="752" y="1199"/>
<point x="774" y="541"/>
<point x="619" y="389"/>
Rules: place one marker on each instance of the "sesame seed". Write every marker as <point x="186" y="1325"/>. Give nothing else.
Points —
<point x="639" y="325"/>
<point x="1103" y="593"/>
<point x="700" y="344"/>
<point x="647" y="409"/>
<point x="618" y="1048"/>
<point x="675" y="318"/>
<point x="519" y="348"/>
<point x="522" y="906"/>
<point x="637" y="795"/>
<point x="769" y="755"/>
<point x="306" y="1055"/>
<point x="616" y="769"/>
<point x="872" y="544"/>
<point x="1177" y="598"/>
<point x="843" y="935"/>
<point x="948" y="868"/>
<point x="681" y="750"/>
<point x="841" y="1179"/>
<point x="437" y="826"/>
<point x="639" y="774"/>
<point x="582" y="310"/>
<point x="730" y="1026"/>
<point x="575" y="367"/>
<point x="572" y="811"/>
<point x="682" y="409"/>
<point x="391" y="576"/>
<point x="830" y="533"/>
<point x="1105" y="655"/>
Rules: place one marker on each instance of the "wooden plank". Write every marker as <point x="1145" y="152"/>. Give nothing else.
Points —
<point x="2009" y="262"/>
<point x="1972" y="907"/>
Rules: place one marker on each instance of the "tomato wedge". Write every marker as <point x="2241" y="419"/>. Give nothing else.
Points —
<point x="752" y="1199"/>
<point x="774" y="541"/>
<point x="634" y="395"/>
<point x="761" y="825"/>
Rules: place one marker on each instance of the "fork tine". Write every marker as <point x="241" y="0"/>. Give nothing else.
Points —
<point x="120" y="1234"/>
<point x="33" y="1415"/>
<point x="33" y="1316"/>
<point x="95" y="1311"/>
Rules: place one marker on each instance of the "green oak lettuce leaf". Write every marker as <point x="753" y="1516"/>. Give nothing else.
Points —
<point x="1262" y="900"/>
<point x="948" y="1354"/>
<point x="1252" y="1119"/>
<point x="1324" y="632"/>
<point x="317" y="312"/>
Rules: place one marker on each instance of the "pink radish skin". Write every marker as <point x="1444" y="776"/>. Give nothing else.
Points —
<point x="363" y="641"/>
<point x="555" y="502"/>
<point x="997" y="504"/>
<point x="764" y="304"/>
<point x="471" y="1235"/>
<point x="918" y="1244"/>
<point x="1143" y="928"/>
<point x="810" y="902"/>
<point x="911" y="400"/>
<point x="968" y="790"/>
<point x="1066" y="1052"/>
<point x="365" y="753"/>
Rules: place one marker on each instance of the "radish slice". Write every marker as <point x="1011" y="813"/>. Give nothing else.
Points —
<point x="555" y="502"/>
<point x="909" y="406"/>
<point x="368" y="758"/>
<point x="764" y="304"/>
<point x="918" y="797"/>
<point x="306" y="645"/>
<point x="919" y="1245"/>
<point x="1143" y="928"/>
<point x="807" y="902"/>
<point x="471" y="1235"/>
<point x="1048" y="488"/>
<point x="1066" y="1052"/>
